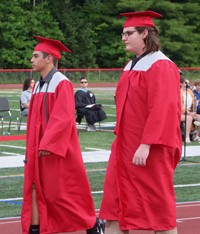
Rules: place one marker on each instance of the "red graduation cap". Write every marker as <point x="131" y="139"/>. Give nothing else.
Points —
<point x="142" y="18"/>
<point x="50" y="46"/>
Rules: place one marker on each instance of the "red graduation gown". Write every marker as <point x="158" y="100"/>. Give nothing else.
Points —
<point x="63" y="192"/>
<point x="148" y="112"/>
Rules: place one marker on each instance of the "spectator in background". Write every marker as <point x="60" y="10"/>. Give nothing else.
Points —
<point x="185" y="117"/>
<point x="189" y="114"/>
<point x="192" y="87"/>
<point x="187" y="81"/>
<point x="197" y="95"/>
<point x="85" y="102"/>
<point x="138" y="189"/>
<point x="26" y="95"/>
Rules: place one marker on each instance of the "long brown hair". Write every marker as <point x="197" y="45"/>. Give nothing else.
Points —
<point x="27" y="83"/>
<point x="152" y="42"/>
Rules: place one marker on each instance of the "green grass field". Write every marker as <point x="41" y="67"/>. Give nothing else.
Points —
<point x="186" y="179"/>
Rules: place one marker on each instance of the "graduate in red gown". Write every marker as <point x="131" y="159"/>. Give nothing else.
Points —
<point x="138" y="189"/>
<point x="57" y="196"/>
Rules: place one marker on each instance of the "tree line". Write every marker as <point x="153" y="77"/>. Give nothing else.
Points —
<point x="91" y="29"/>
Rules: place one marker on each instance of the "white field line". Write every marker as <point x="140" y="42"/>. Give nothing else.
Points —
<point x="11" y="199"/>
<point x="12" y="146"/>
<point x="111" y="105"/>
<point x="180" y="220"/>
<point x="10" y="176"/>
<point x="6" y="91"/>
<point x="22" y="175"/>
<point x="11" y="154"/>
<point x="8" y="218"/>
<point x="186" y="185"/>
<point x="12" y="109"/>
<point x="188" y="205"/>
<point x="94" y="192"/>
<point x="95" y="149"/>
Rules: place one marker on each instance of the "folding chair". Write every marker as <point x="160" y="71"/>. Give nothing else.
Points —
<point x="21" y="116"/>
<point x="5" y="112"/>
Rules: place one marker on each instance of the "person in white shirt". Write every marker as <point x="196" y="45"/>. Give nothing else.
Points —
<point x="26" y="95"/>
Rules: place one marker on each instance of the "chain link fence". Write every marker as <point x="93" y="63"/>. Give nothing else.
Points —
<point x="17" y="76"/>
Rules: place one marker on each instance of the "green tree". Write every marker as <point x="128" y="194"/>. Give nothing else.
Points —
<point x="17" y="27"/>
<point x="73" y="22"/>
<point x="92" y="28"/>
<point x="13" y="35"/>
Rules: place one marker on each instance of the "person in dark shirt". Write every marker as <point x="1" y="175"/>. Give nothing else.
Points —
<point x="85" y="102"/>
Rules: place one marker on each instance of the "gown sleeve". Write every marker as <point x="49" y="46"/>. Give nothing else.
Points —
<point x="163" y="103"/>
<point x="61" y="123"/>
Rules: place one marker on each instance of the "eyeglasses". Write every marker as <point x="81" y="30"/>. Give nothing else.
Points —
<point x="83" y="82"/>
<point x="128" y="33"/>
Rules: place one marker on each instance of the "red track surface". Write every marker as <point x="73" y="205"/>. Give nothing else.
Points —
<point x="188" y="221"/>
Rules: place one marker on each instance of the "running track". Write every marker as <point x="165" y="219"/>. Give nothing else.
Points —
<point x="188" y="221"/>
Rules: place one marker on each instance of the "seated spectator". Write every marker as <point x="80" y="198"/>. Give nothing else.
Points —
<point x="85" y="103"/>
<point x="26" y="95"/>
<point x="188" y="111"/>
<point x="197" y="95"/>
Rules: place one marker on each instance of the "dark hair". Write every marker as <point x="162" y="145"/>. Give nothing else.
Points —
<point x="152" y="42"/>
<point x="197" y="82"/>
<point x="55" y="61"/>
<point x="83" y="78"/>
<point x="27" y="83"/>
<point x="182" y="80"/>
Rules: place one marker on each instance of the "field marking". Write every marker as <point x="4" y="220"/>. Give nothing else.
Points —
<point x="186" y="185"/>
<point x="12" y="146"/>
<point x="11" y="154"/>
<point x="188" y="202"/>
<point x="22" y="175"/>
<point x="180" y="220"/>
<point x="10" y="176"/>
<point x="95" y="149"/>
<point x="11" y="199"/>
<point x="192" y="205"/>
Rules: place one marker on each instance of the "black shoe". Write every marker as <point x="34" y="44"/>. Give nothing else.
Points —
<point x="34" y="229"/>
<point x="101" y="224"/>
<point x="99" y="228"/>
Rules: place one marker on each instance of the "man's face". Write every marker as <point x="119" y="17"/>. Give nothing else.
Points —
<point x="84" y="83"/>
<point x="38" y="62"/>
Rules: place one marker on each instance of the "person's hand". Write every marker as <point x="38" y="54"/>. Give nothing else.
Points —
<point x="141" y="154"/>
<point x="43" y="153"/>
<point x="193" y="114"/>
